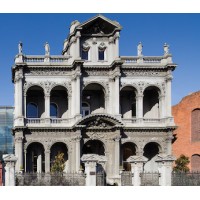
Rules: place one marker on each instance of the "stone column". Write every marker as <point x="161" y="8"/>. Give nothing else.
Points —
<point x="18" y="98"/>
<point x="116" y="95"/>
<point x="47" y="161"/>
<point x="116" y="45"/>
<point x="19" y="150"/>
<point x="168" y="93"/>
<point x="9" y="160"/>
<point x="78" y="158"/>
<point x="25" y="105"/>
<point x="165" y="169"/>
<point x="78" y="35"/>
<point x="78" y="94"/>
<point x="137" y="163"/>
<point x="25" y="160"/>
<point x="73" y="98"/>
<point x="139" y="99"/>
<point x="161" y="106"/>
<point x="117" y="155"/>
<point x="47" y="108"/>
<point x="70" y="105"/>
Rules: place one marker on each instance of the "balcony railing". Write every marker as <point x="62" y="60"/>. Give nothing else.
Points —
<point x="41" y="59"/>
<point x="145" y="59"/>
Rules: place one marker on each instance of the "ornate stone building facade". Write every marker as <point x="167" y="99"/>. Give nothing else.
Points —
<point x="187" y="136"/>
<point x="91" y="100"/>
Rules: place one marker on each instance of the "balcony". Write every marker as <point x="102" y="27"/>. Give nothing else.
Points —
<point x="48" y="122"/>
<point x="148" y="122"/>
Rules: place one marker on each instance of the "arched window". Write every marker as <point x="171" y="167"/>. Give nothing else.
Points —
<point x="32" y="110"/>
<point x="101" y="51"/>
<point x="85" y="109"/>
<point x="195" y="125"/>
<point x="85" y="51"/>
<point x="53" y="110"/>
<point x="195" y="162"/>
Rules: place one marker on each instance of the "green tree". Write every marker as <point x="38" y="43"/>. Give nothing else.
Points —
<point x="181" y="164"/>
<point x="58" y="164"/>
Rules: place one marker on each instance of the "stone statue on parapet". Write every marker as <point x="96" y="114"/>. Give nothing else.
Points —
<point x="139" y="49"/>
<point x="20" y="47"/>
<point x="47" y="49"/>
<point x="166" y="49"/>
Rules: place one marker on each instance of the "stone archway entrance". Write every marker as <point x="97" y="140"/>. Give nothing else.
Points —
<point x="56" y="149"/>
<point x="93" y="147"/>
<point x="35" y="158"/>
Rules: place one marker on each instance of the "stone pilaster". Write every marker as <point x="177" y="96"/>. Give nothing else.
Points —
<point x="19" y="119"/>
<point x="168" y="93"/>
<point x="137" y="163"/>
<point x="19" y="150"/>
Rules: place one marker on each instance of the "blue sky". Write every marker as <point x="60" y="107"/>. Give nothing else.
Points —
<point x="180" y="31"/>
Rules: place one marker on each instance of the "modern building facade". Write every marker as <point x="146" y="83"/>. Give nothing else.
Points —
<point x="187" y="117"/>
<point x="6" y="125"/>
<point x="91" y="100"/>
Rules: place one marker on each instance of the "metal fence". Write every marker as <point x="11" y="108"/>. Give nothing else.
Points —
<point x="100" y="178"/>
<point x="46" y="179"/>
<point x="150" y="178"/>
<point x="186" y="179"/>
<point x="126" y="178"/>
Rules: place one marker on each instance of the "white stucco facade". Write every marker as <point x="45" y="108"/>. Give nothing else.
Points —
<point x="92" y="100"/>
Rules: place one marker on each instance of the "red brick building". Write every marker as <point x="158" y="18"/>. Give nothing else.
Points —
<point x="1" y="174"/>
<point x="187" y="118"/>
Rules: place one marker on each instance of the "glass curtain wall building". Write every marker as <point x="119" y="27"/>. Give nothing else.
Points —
<point x="6" y="124"/>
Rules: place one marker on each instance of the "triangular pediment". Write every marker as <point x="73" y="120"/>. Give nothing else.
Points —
<point x="99" y="25"/>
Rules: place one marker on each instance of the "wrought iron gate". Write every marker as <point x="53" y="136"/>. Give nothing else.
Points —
<point x="150" y="178"/>
<point x="100" y="178"/>
<point x="126" y="178"/>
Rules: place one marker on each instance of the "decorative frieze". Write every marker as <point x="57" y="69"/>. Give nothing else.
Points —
<point x="47" y="72"/>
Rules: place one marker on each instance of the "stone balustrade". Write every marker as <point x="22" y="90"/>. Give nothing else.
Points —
<point x="146" y="59"/>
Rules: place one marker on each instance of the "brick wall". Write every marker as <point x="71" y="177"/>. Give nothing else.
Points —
<point x="0" y="174"/>
<point x="182" y="117"/>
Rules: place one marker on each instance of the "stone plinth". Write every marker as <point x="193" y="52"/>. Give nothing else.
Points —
<point x="9" y="160"/>
<point x="165" y="169"/>
<point x="137" y="163"/>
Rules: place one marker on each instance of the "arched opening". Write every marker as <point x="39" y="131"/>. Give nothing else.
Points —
<point x="151" y="108"/>
<point x="128" y="102"/>
<point x="85" y="109"/>
<point x="56" y="149"/>
<point x="32" y="110"/>
<point x="195" y="125"/>
<point x="151" y="150"/>
<point x="93" y="94"/>
<point x="195" y="163"/>
<point x="35" y="158"/>
<point x="59" y="102"/>
<point x="93" y="147"/>
<point x="53" y="110"/>
<point x="35" y="102"/>
<point x="127" y="149"/>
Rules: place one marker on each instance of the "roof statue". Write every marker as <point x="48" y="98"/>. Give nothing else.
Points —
<point x="166" y="49"/>
<point x="20" y="47"/>
<point x="139" y="49"/>
<point x="47" y="49"/>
